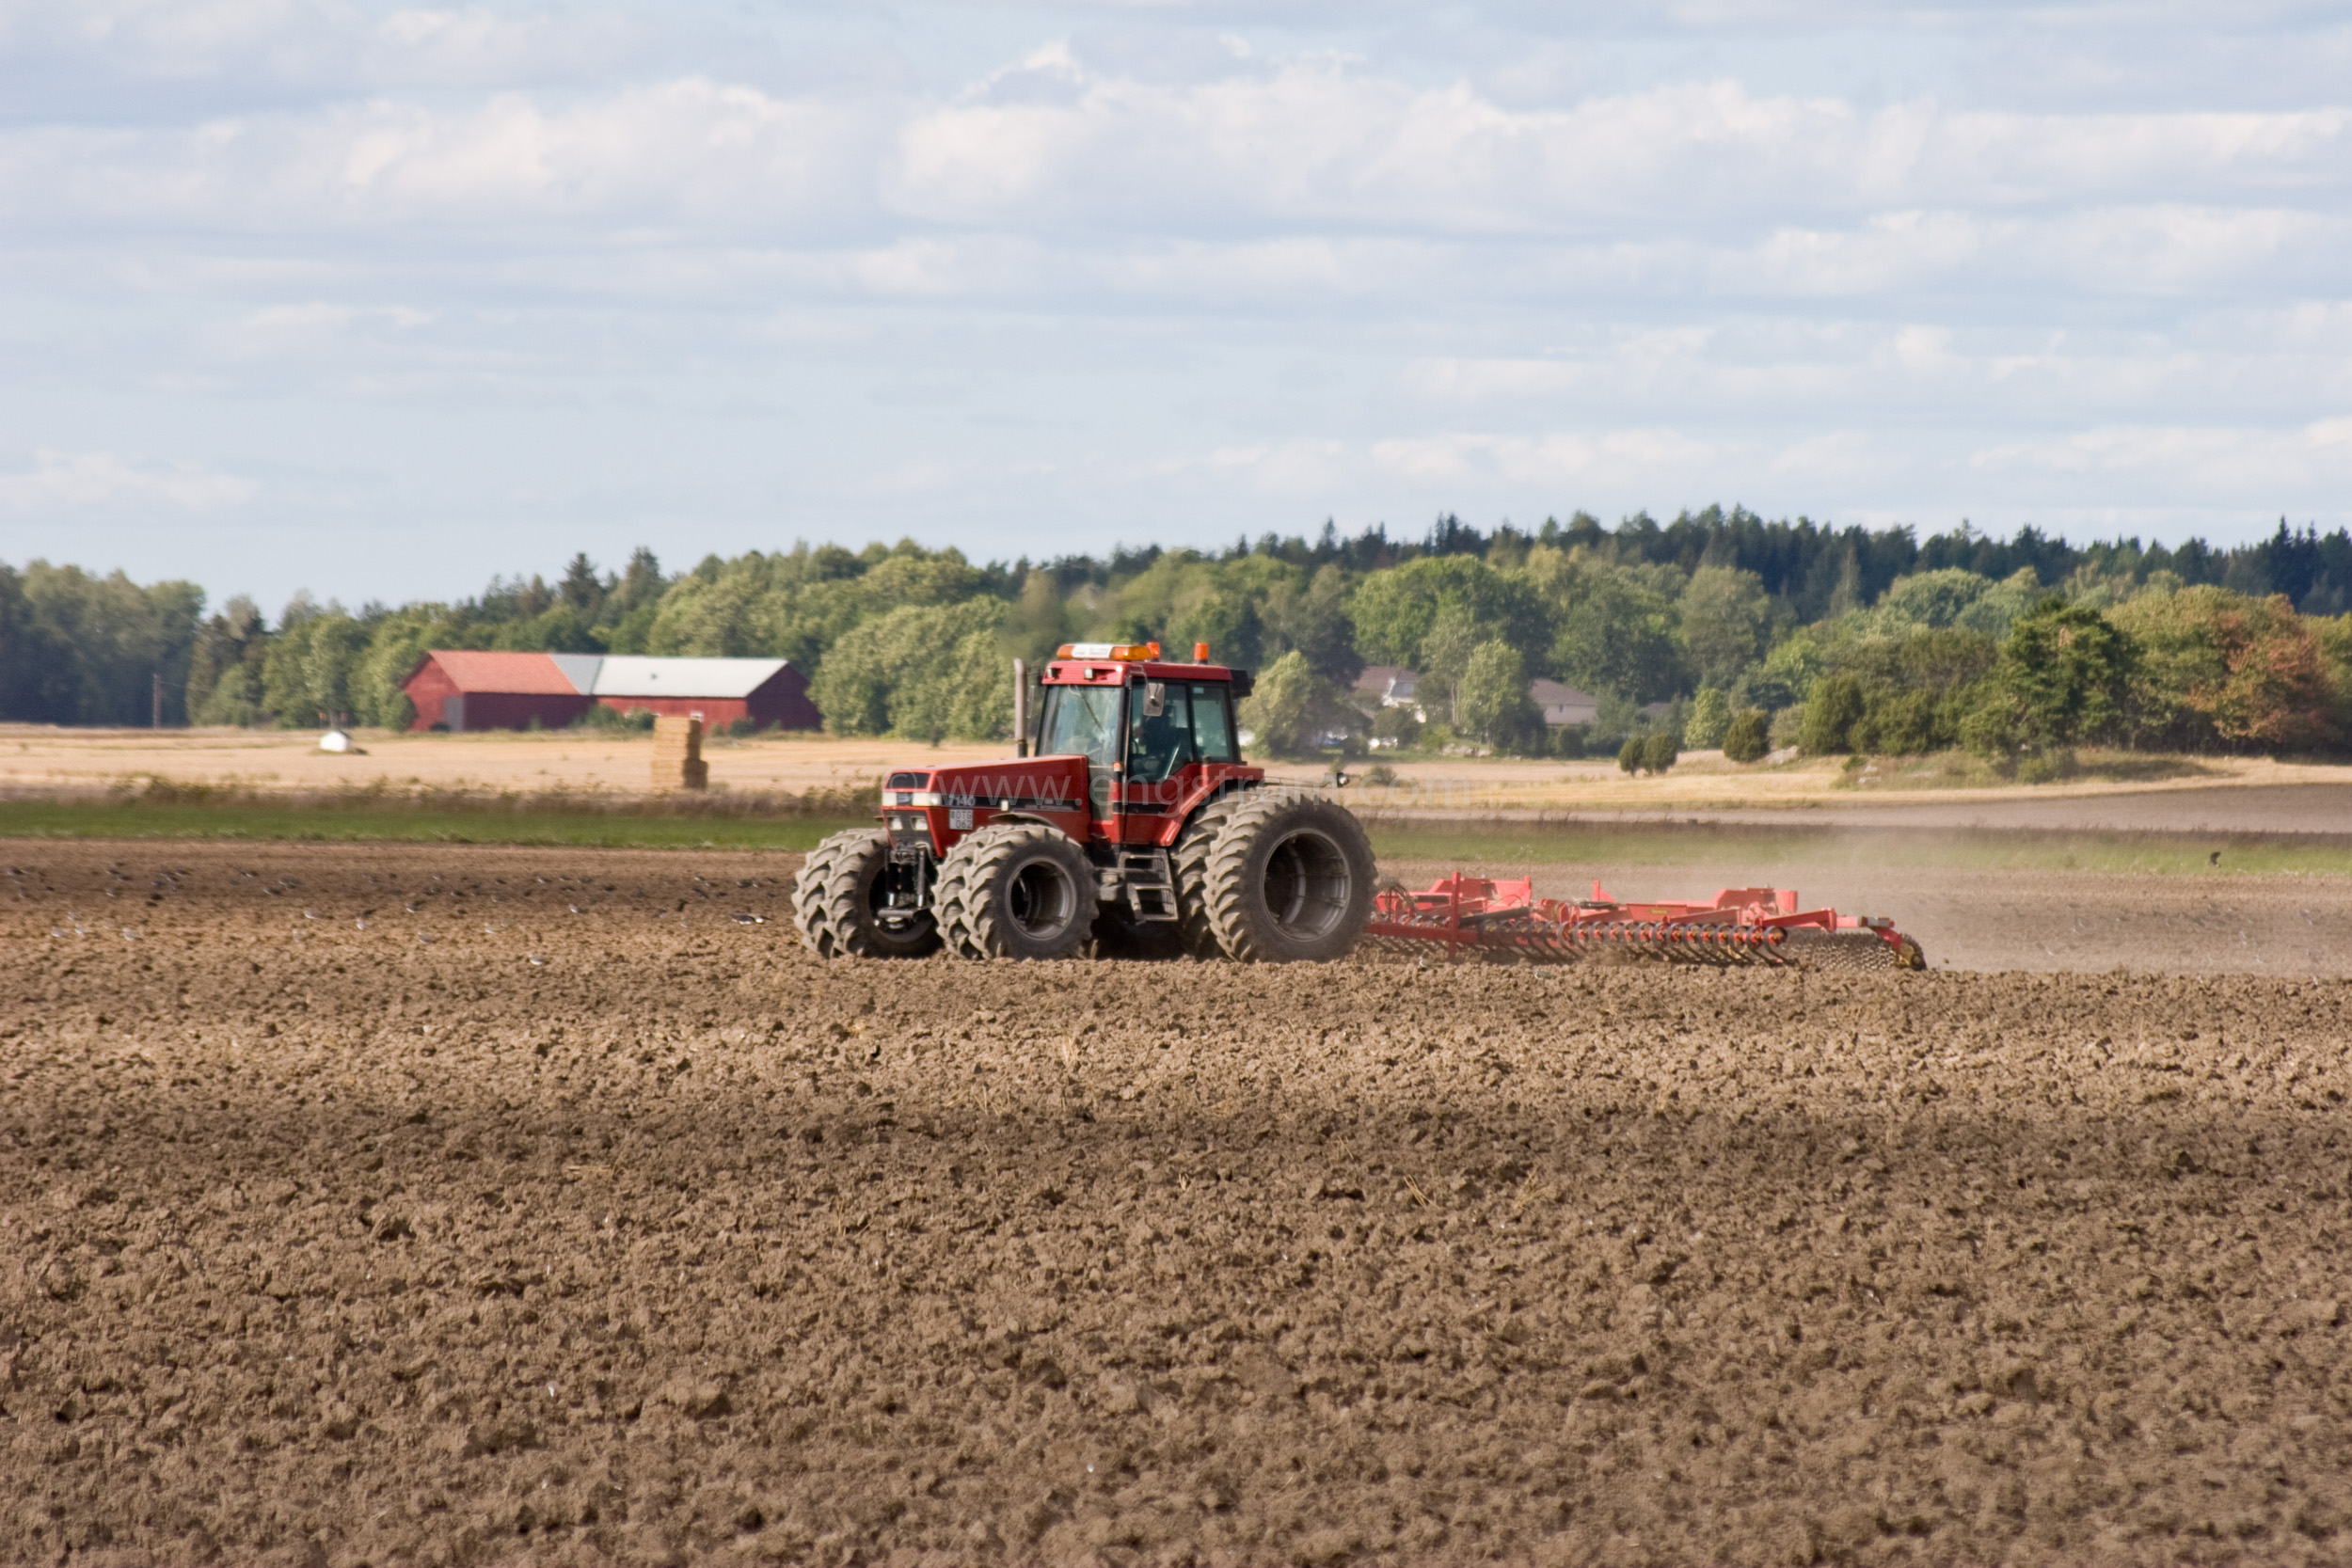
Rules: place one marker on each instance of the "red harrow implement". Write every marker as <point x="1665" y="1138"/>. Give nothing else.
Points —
<point x="1503" y="921"/>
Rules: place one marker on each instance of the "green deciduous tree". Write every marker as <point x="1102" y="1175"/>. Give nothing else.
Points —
<point x="918" y="672"/>
<point x="2063" y="678"/>
<point x="1291" y="707"/>
<point x="1726" y="623"/>
<point x="1445" y="655"/>
<point x="1710" y="716"/>
<point x="225" y="666"/>
<point x="1614" y="630"/>
<point x="305" y="677"/>
<point x="2220" y="668"/>
<point x="798" y="604"/>
<point x="1490" y="703"/>
<point x="80" y="649"/>
<point x="1395" y="610"/>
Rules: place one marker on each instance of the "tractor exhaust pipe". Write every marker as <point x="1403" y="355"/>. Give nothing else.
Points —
<point x="1020" y="707"/>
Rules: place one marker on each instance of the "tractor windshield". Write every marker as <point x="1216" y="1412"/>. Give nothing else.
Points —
<point x="1081" y="720"/>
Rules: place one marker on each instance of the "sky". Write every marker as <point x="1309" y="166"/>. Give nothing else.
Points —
<point x="379" y="302"/>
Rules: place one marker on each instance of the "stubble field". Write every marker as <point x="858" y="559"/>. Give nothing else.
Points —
<point x="577" y="1214"/>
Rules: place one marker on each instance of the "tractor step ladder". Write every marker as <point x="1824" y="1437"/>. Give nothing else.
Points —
<point x="1149" y="883"/>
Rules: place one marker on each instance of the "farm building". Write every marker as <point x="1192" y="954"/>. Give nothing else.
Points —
<point x="1562" y="704"/>
<point x="458" y="690"/>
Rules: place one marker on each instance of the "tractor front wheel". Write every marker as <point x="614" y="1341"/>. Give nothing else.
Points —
<point x="1289" y="879"/>
<point x="842" y="903"/>
<point x="1020" y="890"/>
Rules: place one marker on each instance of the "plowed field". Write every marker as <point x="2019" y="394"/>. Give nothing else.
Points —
<point x="573" y="1216"/>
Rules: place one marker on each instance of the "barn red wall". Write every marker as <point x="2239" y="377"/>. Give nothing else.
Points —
<point x="515" y="710"/>
<point x="781" y="702"/>
<point x="425" y="689"/>
<point x="718" y="712"/>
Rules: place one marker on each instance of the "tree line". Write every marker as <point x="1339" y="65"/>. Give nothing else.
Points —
<point x="1723" y="626"/>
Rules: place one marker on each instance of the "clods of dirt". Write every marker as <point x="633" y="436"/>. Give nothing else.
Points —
<point x="329" y="1246"/>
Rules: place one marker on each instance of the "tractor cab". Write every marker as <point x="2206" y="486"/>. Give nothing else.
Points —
<point x="1157" y="736"/>
<point x="1126" y="745"/>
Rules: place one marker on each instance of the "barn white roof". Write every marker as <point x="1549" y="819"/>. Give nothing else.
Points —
<point x="636" y="676"/>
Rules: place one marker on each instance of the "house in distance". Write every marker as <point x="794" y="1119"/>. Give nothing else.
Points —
<point x="462" y="689"/>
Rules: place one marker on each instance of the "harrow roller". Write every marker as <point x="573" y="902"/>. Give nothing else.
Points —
<point x="1475" y="918"/>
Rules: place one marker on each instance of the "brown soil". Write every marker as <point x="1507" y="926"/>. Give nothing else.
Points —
<point x="332" y="1244"/>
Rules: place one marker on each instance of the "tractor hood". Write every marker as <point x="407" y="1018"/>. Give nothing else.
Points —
<point x="1016" y="784"/>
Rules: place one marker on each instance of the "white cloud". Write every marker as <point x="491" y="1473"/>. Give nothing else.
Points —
<point x="829" y="269"/>
<point x="1608" y="459"/>
<point x="694" y="150"/>
<point x="90" y="480"/>
<point x="2216" y="462"/>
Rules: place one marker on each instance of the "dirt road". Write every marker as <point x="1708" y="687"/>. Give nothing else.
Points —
<point x="496" y="1232"/>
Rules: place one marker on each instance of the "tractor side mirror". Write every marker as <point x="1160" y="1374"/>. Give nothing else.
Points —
<point x="1243" y="683"/>
<point x="1155" y="699"/>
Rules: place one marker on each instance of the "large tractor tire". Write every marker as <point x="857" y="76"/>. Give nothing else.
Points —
<point x="1289" y="879"/>
<point x="1189" y="861"/>
<point x="1020" y="889"/>
<point x="837" y="903"/>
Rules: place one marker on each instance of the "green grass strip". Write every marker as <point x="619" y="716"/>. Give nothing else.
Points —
<point x="1741" y="851"/>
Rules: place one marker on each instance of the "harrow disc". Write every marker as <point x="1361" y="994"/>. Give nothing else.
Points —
<point x="1466" y="919"/>
<point x="1850" y="952"/>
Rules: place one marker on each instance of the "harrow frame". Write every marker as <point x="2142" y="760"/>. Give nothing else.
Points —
<point x="1500" y="920"/>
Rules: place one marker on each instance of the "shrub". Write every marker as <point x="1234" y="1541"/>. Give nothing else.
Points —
<point x="1629" y="755"/>
<point x="1897" y="722"/>
<point x="600" y="717"/>
<point x="1748" y="736"/>
<point x="1710" y="716"/>
<point x="1395" y="726"/>
<point x="1830" y="713"/>
<point x="1660" y="751"/>
<point x="2046" y="767"/>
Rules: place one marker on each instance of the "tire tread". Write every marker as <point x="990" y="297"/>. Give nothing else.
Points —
<point x="963" y="895"/>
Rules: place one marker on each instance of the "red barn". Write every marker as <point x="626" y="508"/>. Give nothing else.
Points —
<point x="453" y="689"/>
<point x="457" y="690"/>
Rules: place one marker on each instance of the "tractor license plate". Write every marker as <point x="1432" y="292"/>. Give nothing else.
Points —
<point x="959" y="818"/>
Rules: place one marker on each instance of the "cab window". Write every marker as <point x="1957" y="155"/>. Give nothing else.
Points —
<point x="1081" y="720"/>
<point x="1158" y="743"/>
<point x="1212" y="725"/>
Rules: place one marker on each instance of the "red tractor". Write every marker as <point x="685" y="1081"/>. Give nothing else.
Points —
<point x="1136" y="819"/>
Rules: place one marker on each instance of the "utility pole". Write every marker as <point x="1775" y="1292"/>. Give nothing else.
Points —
<point x="159" y="700"/>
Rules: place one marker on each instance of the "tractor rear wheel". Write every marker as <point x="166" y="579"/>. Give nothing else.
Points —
<point x="839" y="903"/>
<point x="1020" y="890"/>
<point x="1289" y="879"/>
<point x="1189" y="861"/>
